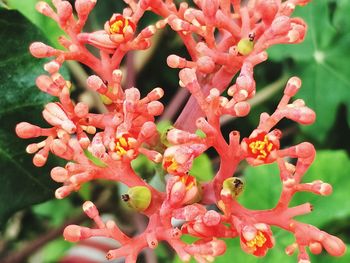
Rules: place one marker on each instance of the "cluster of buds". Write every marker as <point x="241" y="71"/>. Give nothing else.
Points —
<point x="222" y="38"/>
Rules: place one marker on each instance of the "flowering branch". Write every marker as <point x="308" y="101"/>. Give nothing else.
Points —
<point x="222" y="39"/>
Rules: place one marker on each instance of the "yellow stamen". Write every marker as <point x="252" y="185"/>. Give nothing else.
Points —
<point x="115" y="27"/>
<point x="258" y="241"/>
<point x="263" y="148"/>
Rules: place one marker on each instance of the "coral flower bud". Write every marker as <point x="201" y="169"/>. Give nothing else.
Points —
<point x="41" y="50"/>
<point x="96" y="83"/>
<point x="281" y="25"/>
<point x="292" y="86"/>
<point x="72" y="233"/>
<point x="83" y="7"/>
<point x="90" y="209"/>
<point x="64" y="11"/>
<point x="59" y="174"/>
<point x="81" y="110"/>
<point x="211" y="218"/>
<point x="52" y="67"/>
<point x="315" y="248"/>
<point x="26" y="130"/>
<point x="155" y="108"/>
<point x="45" y="9"/>
<point x="334" y="246"/>
<point x="205" y="64"/>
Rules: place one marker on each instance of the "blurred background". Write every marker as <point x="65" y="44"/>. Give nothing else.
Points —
<point x="31" y="220"/>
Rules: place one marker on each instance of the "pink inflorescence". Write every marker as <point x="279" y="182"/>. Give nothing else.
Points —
<point x="222" y="38"/>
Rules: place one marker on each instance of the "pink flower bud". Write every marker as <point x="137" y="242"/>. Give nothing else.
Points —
<point x="205" y="64"/>
<point x="63" y="191"/>
<point x="242" y="108"/>
<point x="40" y="158"/>
<point x="52" y="67"/>
<point x="44" y="8"/>
<point x="26" y="130"/>
<point x="177" y="193"/>
<point x="59" y="174"/>
<point x="291" y="249"/>
<point x="302" y="115"/>
<point x="148" y="31"/>
<point x="292" y="86"/>
<point x="90" y="209"/>
<point x="72" y="233"/>
<point x="155" y="108"/>
<point x="155" y="94"/>
<point x="175" y="61"/>
<point x="211" y="218"/>
<point x="84" y="7"/>
<point x="96" y="83"/>
<point x="64" y="11"/>
<point x="280" y="25"/>
<point x="334" y="246"/>
<point x="54" y="115"/>
<point x="315" y="247"/>
<point x="187" y="76"/>
<point x="41" y="50"/>
<point x="148" y="130"/>
<point x="81" y="110"/>
<point x="58" y="147"/>
<point x="46" y="84"/>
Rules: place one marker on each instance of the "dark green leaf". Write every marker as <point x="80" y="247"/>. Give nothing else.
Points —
<point x="21" y="184"/>
<point x="44" y="23"/>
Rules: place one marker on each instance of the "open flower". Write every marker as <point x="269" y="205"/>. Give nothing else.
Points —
<point x="261" y="147"/>
<point x="256" y="239"/>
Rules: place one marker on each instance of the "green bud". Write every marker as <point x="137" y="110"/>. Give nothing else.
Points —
<point x="245" y="46"/>
<point x="138" y="198"/>
<point x="234" y="185"/>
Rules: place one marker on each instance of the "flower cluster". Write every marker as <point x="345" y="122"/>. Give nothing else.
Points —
<point x="222" y="38"/>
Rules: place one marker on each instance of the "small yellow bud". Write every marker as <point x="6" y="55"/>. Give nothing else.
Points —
<point x="234" y="185"/>
<point x="138" y="198"/>
<point x="245" y="46"/>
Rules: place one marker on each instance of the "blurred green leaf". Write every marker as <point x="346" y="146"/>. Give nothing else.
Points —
<point x="54" y="250"/>
<point x="21" y="184"/>
<point x="202" y="168"/>
<point x="322" y="62"/>
<point x="49" y="210"/>
<point x="44" y="23"/>
<point x="96" y="161"/>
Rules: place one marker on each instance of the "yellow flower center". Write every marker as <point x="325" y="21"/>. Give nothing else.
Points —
<point x="261" y="148"/>
<point x="122" y="146"/>
<point x="170" y="164"/>
<point x="258" y="241"/>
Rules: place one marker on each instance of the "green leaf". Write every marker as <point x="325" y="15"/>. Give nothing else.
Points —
<point x="96" y="161"/>
<point x="202" y="168"/>
<point x="21" y="184"/>
<point x="49" y="210"/>
<point x="48" y="26"/>
<point x="322" y="62"/>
